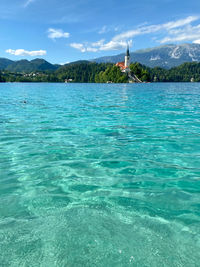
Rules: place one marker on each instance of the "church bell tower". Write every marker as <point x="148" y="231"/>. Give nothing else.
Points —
<point x="127" y="58"/>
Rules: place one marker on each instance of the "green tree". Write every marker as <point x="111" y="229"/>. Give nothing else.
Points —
<point x="1" y="78"/>
<point x="111" y="74"/>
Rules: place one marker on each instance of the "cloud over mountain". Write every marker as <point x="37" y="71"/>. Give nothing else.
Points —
<point x="173" y="31"/>
<point x="22" y="52"/>
<point x="100" y="45"/>
<point x="165" y="56"/>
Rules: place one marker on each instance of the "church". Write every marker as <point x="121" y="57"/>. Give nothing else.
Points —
<point x="125" y="66"/>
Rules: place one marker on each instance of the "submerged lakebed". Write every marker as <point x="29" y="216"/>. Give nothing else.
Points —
<point x="100" y="174"/>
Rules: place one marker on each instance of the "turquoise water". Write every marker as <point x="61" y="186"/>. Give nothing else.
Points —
<point x="100" y="175"/>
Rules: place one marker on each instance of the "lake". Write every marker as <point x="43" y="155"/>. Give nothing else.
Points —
<point x="100" y="174"/>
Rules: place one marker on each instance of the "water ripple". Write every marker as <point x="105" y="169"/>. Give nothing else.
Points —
<point x="99" y="175"/>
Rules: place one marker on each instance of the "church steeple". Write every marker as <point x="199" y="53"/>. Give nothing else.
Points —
<point x="125" y="66"/>
<point x="127" y="59"/>
<point x="127" y="51"/>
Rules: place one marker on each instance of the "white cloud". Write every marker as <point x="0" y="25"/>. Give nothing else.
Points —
<point x="196" y="41"/>
<point x="22" y="52"/>
<point x="100" y="46"/>
<point x="109" y="28"/>
<point x="180" y="22"/>
<point x="78" y="46"/>
<point x="57" y="33"/>
<point x="91" y="49"/>
<point x="113" y="45"/>
<point x="187" y="33"/>
<point x="64" y="63"/>
<point x="132" y="33"/>
<point x="98" y="43"/>
<point x="155" y="28"/>
<point x="83" y="48"/>
<point x="175" y="31"/>
<point x="28" y="2"/>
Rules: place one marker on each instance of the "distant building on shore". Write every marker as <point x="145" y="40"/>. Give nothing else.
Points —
<point x="125" y="66"/>
<point x="68" y="80"/>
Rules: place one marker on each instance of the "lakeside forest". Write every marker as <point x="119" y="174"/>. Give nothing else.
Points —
<point x="89" y="72"/>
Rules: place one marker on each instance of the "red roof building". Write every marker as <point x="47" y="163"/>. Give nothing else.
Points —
<point x="121" y="65"/>
<point x="124" y="66"/>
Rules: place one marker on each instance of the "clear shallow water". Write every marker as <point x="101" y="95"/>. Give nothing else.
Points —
<point x="100" y="175"/>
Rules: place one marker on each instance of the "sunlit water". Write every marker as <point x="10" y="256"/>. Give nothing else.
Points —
<point x="100" y="175"/>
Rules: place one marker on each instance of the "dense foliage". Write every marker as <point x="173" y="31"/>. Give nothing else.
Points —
<point x="4" y="63"/>
<point x="46" y="76"/>
<point x="30" y="66"/>
<point x="83" y="72"/>
<point x="182" y="73"/>
<point x="111" y="74"/>
<point x="1" y="78"/>
<point x="114" y="74"/>
<point x="141" y="72"/>
<point x="88" y="72"/>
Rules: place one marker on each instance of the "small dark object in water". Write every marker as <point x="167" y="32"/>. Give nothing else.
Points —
<point x="24" y="102"/>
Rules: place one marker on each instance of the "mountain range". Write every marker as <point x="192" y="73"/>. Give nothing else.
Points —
<point x="27" y="66"/>
<point x="165" y="56"/>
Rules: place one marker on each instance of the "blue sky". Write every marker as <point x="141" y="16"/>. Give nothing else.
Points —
<point x="64" y="31"/>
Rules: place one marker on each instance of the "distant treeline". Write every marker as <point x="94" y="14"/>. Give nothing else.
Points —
<point x="88" y="72"/>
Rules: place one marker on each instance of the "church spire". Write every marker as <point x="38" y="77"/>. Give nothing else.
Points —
<point x="127" y="51"/>
<point x="127" y="59"/>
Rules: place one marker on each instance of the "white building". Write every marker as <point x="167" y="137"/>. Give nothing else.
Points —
<point x="125" y="66"/>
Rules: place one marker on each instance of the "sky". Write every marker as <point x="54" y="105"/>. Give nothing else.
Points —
<point x="63" y="31"/>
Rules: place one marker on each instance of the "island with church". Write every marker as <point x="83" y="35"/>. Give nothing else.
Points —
<point x="84" y="71"/>
<point x="125" y="68"/>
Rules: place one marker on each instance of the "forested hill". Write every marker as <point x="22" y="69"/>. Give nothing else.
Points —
<point x="165" y="56"/>
<point x="88" y="72"/>
<point x="182" y="73"/>
<point x="26" y="66"/>
<point x="4" y="63"/>
<point x="80" y="71"/>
